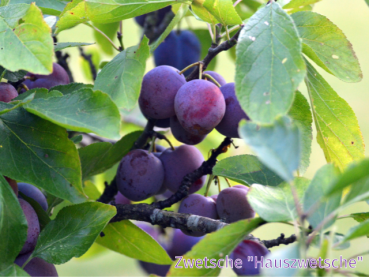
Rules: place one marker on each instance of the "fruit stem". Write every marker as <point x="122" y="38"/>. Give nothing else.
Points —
<point x="2" y="74"/>
<point x="227" y="33"/>
<point x="210" y="32"/>
<point x="208" y="185"/>
<point x="200" y="70"/>
<point x="211" y="78"/>
<point x="218" y="181"/>
<point x="234" y="28"/>
<point x="215" y="33"/>
<point x="22" y="86"/>
<point x="228" y="183"/>
<point x="190" y="66"/>
<point x="104" y="35"/>
<point x="120" y="36"/>
<point x="152" y="146"/>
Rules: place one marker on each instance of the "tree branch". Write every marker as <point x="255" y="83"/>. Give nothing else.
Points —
<point x="88" y="58"/>
<point x="278" y="241"/>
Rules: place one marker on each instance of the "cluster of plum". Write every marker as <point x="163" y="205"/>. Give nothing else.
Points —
<point x="58" y="77"/>
<point x="37" y="266"/>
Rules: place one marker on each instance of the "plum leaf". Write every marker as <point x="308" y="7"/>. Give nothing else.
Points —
<point x="52" y="7"/>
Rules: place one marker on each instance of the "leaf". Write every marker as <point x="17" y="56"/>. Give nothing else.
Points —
<point x="367" y="1"/>
<point x="91" y="190"/>
<point x="327" y="45"/>
<point x="269" y="65"/>
<point x="13" y="225"/>
<point x="336" y="239"/>
<point x="205" y="41"/>
<point x="276" y="204"/>
<point x="122" y="77"/>
<point x="338" y="131"/>
<point x="110" y="30"/>
<point x="359" y="191"/>
<point x="126" y="238"/>
<point x="357" y="231"/>
<point x="360" y="217"/>
<point x="314" y="196"/>
<point x="177" y="18"/>
<point x="287" y="254"/>
<point x="43" y="218"/>
<point x="25" y="39"/>
<point x="277" y="146"/>
<point x="246" y="169"/>
<point x="73" y="231"/>
<point x="12" y="76"/>
<point x="301" y="116"/>
<point x="35" y="151"/>
<point x="84" y="110"/>
<point x="223" y="11"/>
<point x="14" y="271"/>
<point x="53" y="7"/>
<point x="62" y="45"/>
<point x="294" y="4"/>
<point x="72" y="87"/>
<point x="8" y="107"/>
<point x="99" y="157"/>
<point x="201" y="13"/>
<point x="216" y="246"/>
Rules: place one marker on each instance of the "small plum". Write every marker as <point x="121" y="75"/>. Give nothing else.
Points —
<point x="178" y="163"/>
<point x="33" y="226"/>
<point x="13" y="184"/>
<point x="197" y="204"/>
<point x="36" y="266"/>
<point x="232" y="204"/>
<point x="233" y="114"/>
<point x="140" y="175"/>
<point x="58" y="77"/>
<point x="199" y="106"/>
<point x="182" y="135"/>
<point x="7" y="92"/>
<point x="219" y="78"/>
<point x="243" y="251"/>
<point x="34" y="193"/>
<point x="159" y="88"/>
<point x="181" y="243"/>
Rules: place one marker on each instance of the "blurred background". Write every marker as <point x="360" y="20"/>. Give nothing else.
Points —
<point x="351" y="16"/>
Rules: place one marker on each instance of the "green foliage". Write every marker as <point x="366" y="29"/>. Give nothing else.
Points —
<point x="13" y="225"/>
<point x="52" y="7"/>
<point x="223" y="11"/>
<point x="12" y="76"/>
<point x="73" y="231"/>
<point x="13" y="271"/>
<point x="360" y="217"/>
<point x="134" y="243"/>
<point x="293" y="4"/>
<point x="267" y="70"/>
<point x="205" y="40"/>
<point x="358" y="231"/>
<point x="62" y="45"/>
<point x="110" y="30"/>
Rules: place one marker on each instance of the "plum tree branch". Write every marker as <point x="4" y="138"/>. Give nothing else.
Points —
<point x="88" y="58"/>
<point x="280" y="240"/>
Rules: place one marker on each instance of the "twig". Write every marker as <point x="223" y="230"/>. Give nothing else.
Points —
<point x="62" y="61"/>
<point x="88" y="58"/>
<point x="278" y="241"/>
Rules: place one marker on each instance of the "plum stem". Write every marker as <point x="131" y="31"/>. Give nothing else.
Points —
<point x="120" y="36"/>
<point x="227" y="33"/>
<point x="211" y="78"/>
<point x="211" y="177"/>
<point x="234" y="28"/>
<point x="217" y="182"/>
<point x="2" y="74"/>
<point x="22" y="86"/>
<point x="88" y="58"/>
<point x="188" y="67"/>
<point x="228" y="183"/>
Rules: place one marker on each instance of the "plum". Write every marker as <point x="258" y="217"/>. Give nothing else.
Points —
<point x="120" y="199"/>
<point x="179" y="49"/>
<point x="199" y="106"/>
<point x="245" y="249"/>
<point x="36" y="266"/>
<point x="233" y="114"/>
<point x="232" y="204"/>
<point x="160" y="16"/>
<point x="197" y="204"/>
<point x="214" y="197"/>
<point x="178" y="163"/>
<point x="140" y="175"/>
<point x="181" y="243"/>
<point x="58" y="77"/>
<point x="219" y="78"/>
<point x="182" y="135"/>
<point x="34" y="193"/>
<point x="33" y="230"/>
<point x="13" y="184"/>
<point x="7" y="92"/>
<point x="159" y="88"/>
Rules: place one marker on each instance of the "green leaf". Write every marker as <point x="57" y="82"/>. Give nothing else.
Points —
<point x="35" y="151"/>
<point x="15" y="104"/>
<point x="84" y="110"/>
<point x="338" y="238"/>
<point x="77" y="139"/>
<point x="72" y="87"/>
<point x="223" y="11"/>
<point x="338" y="131"/>
<point x="122" y="77"/>
<point x="73" y="231"/>
<point x="314" y="196"/>
<point x="287" y="254"/>
<point x="276" y="204"/>
<point x="4" y="3"/>
<point x="359" y="191"/>
<point x="62" y="45"/>
<point x="205" y="41"/>
<point x="246" y="169"/>
<point x="12" y="76"/>
<point x="276" y="145"/>
<point x="91" y="190"/>
<point x="99" y="157"/>
<point x="327" y="45"/>
<point x="367" y="1"/>
<point x="13" y="225"/>
<point x="294" y="4"/>
<point x="109" y="30"/>
<point x="53" y="7"/>
<point x="13" y="271"/>
<point x="360" y="217"/>
<point x="301" y="115"/>
<point x="358" y="231"/>
<point x="216" y="246"/>
<point x="269" y="65"/>
<point x="25" y="39"/>
<point x="177" y="18"/>
<point x="133" y="242"/>
<point x="201" y="13"/>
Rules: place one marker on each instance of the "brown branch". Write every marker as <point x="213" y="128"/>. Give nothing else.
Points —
<point x="88" y="58"/>
<point x="278" y="241"/>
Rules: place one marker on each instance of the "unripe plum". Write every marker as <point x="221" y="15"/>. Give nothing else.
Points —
<point x="179" y="49"/>
<point x="197" y="204"/>
<point x="219" y="78"/>
<point x="58" y="77"/>
<point x="182" y="243"/>
<point x="178" y="163"/>
<point x="120" y="199"/>
<point x="232" y="204"/>
<point x="140" y="175"/>
<point x="7" y="92"/>
<point x="160" y="16"/>
<point x="159" y="88"/>
<point x="36" y="266"/>
<point x="33" y="226"/>
<point x="182" y="135"/>
<point x="245" y="249"/>
<point x="199" y="106"/>
<point x="34" y="193"/>
<point x="233" y="114"/>
<point x="13" y="184"/>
